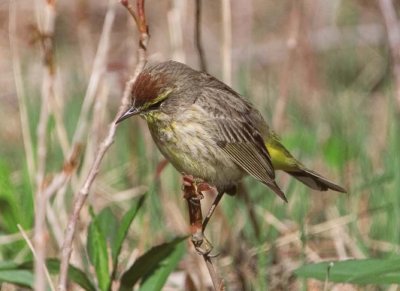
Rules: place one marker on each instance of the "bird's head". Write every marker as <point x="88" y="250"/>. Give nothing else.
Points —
<point x="153" y="86"/>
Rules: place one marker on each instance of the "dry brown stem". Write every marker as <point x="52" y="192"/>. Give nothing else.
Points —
<point x="176" y="13"/>
<point x="30" y="245"/>
<point x="197" y="39"/>
<point x="81" y="196"/>
<point x="392" y="25"/>
<point x="23" y="112"/>
<point x="99" y="67"/>
<point x="61" y="178"/>
<point x="45" y="30"/>
<point x="197" y="227"/>
<point x="226" y="42"/>
<point x="44" y="35"/>
<point x="284" y="83"/>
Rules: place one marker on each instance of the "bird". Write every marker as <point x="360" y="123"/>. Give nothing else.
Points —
<point x="209" y="131"/>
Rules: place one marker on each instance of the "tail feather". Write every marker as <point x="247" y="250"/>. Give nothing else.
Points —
<point x="314" y="180"/>
<point x="274" y="187"/>
<point x="278" y="191"/>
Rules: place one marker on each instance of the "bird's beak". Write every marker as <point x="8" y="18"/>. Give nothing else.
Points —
<point x="131" y="111"/>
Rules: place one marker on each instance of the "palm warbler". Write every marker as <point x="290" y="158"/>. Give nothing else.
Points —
<point x="207" y="130"/>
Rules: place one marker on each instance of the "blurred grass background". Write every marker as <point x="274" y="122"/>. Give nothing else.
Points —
<point x="327" y="61"/>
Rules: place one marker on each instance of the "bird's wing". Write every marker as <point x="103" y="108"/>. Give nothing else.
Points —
<point x="235" y="133"/>
<point x="245" y="147"/>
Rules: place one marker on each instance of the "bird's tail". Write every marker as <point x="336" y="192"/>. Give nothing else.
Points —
<point x="314" y="180"/>
<point x="283" y="160"/>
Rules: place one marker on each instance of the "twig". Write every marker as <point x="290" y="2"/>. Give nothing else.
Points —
<point x="197" y="37"/>
<point x="217" y="282"/>
<point x="175" y="28"/>
<point x="56" y="110"/>
<point x="284" y="84"/>
<point x="45" y="30"/>
<point x="104" y="146"/>
<point x="131" y="11"/>
<point x="84" y="36"/>
<point x="141" y="23"/>
<point x="60" y="179"/>
<point x="192" y="195"/>
<point x="96" y="76"/>
<point x="99" y="67"/>
<point x="58" y="182"/>
<point x="30" y="245"/>
<point x="393" y="32"/>
<point x="226" y="42"/>
<point x="212" y="209"/>
<point x="55" y="227"/>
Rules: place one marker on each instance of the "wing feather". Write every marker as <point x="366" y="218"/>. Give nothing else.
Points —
<point x="235" y="129"/>
<point x="245" y="150"/>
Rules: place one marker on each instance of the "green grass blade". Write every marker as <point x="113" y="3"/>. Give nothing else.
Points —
<point x="18" y="277"/>
<point x="8" y="202"/>
<point x="365" y="271"/>
<point x="157" y="279"/>
<point x="98" y="255"/>
<point x="148" y="264"/>
<point x="108" y="225"/>
<point x="75" y="274"/>
<point x="123" y="230"/>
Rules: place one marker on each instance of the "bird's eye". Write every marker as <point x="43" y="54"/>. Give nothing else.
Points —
<point x="156" y="105"/>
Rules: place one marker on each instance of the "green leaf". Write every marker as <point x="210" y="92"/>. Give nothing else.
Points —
<point x="149" y="264"/>
<point x="157" y="279"/>
<point x="366" y="271"/>
<point x="7" y="265"/>
<point x="19" y="277"/>
<point x="123" y="230"/>
<point x="98" y="254"/>
<point x="16" y="207"/>
<point x="8" y="202"/>
<point x="108" y="225"/>
<point x="25" y="195"/>
<point x="74" y="274"/>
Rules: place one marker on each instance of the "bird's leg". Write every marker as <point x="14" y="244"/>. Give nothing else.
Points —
<point x="193" y="197"/>
<point x="212" y="208"/>
<point x="192" y="184"/>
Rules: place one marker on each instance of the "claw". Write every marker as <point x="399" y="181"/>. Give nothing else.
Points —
<point x="187" y="180"/>
<point x="198" y="197"/>
<point x="203" y="186"/>
<point x="194" y="187"/>
<point x="201" y="244"/>
<point x="212" y="256"/>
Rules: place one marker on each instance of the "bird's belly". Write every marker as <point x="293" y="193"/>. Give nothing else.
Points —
<point x="191" y="150"/>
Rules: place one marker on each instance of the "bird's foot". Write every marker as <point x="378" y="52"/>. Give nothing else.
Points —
<point x="189" y="180"/>
<point x="190" y="189"/>
<point x="201" y="244"/>
<point x="195" y="186"/>
<point x="193" y="189"/>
